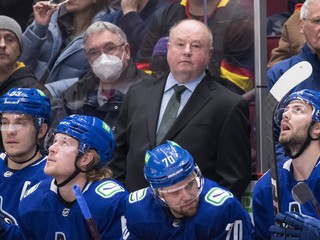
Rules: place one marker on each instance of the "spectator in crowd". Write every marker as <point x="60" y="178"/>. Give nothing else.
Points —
<point x="232" y="27"/>
<point x="300" y="134"/>
<point x="12" y="72"/>
<point x="212" y="122"/>
<point x="24" y="123"/>
<point x="101" y="91"/>
<point x="181" y="204"/>
<point x="159" y="64"/>
<point x="291" y="41"/>
<point x="134" y="18"/>
<point x="78" y="149"/>
<point x="52" y="43"/>
<point x="276" y="21"/>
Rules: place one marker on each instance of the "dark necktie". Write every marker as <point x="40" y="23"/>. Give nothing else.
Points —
<point x="170" y="113"/>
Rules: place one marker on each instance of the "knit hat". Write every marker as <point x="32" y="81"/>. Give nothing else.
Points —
<point x="7" y="23"/>
<point x="161" y="48"/>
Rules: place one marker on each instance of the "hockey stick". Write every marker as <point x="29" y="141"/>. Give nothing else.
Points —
<point x="302" y="194"/>
<point x="291" y="78"/>
<point x="86" y="213"/>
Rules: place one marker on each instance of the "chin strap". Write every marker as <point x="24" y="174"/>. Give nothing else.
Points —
<point x="37" y="150"/>
<point x="305" y="145"/>
<point x="19" y="162"/>
<point x="74" y="174"/>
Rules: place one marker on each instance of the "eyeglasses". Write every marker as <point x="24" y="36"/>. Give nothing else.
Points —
<point x="313" y="21"/>
<point x="94" y="53"/>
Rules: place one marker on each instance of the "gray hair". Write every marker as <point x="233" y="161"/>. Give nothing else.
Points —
<point x="101" y="26"/>
<point x="305" y="8"/>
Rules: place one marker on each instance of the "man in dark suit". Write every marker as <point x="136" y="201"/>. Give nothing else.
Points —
<point x="212" y="122"/>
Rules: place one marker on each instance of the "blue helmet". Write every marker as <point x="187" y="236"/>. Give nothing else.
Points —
<point x="167" y="165"/>
<point x="29" y="101"/>
<point x="91" y="132"/>
<point x="310" y="97"/>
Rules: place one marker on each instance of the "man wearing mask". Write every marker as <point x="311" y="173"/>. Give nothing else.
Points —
<point x="100" y="92"/>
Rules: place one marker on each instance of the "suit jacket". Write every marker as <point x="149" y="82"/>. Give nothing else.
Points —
<point x="213" y="126"/>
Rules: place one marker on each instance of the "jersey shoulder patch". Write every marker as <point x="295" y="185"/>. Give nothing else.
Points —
<point x="217" y="196"/>
<point x="107" y="189"/>
<point x="137" y="195"/>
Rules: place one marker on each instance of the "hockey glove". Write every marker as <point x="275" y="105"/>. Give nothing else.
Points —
<point x="293" y="226"/>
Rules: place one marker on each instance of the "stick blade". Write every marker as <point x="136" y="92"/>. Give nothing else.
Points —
<point x="302" y="193"/>
<point x="291" y="78"/>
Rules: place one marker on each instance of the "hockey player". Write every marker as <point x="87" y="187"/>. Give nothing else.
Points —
<point x="24" y="122"/>
<point x="299" y="134"/>
<point x="80" y="147"/>
<point x="181" y="204"/>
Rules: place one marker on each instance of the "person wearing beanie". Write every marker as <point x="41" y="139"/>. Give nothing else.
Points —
<point x="161" y="47"/>
<point x="159" y="65"/>
<point x="14" y="73"/>
<point x="7" y="23"/>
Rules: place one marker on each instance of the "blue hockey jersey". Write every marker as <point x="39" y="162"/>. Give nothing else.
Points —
<point x="44" y="215"/>
<point x="219" y="216"/>
<point x="14" y="183"/>
<point x="262" y="197"/>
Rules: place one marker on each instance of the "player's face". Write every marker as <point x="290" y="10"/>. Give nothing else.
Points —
<point x="182" y="198"/>
<point x="61" y="157"/>
<point x="188" y="51"/>
<point x="296" y="120"/>
<point x="19" y="135"/>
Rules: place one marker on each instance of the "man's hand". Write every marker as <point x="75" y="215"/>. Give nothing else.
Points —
<point x="293" y="226"/>
<point x="131" y="6"/>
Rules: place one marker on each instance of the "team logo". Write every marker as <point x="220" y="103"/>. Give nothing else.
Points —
<point x="7" y="217"/>
<point x="217" y="196"/>
<point x="108" y="188"/>
<point x="8" y="174"/>
<point x="65" y="212"/>
<point x="137" y="195"/>
<point x="176" y="223"/>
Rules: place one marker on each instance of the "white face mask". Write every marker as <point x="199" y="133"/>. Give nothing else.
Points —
<point x="108" y="67"/>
